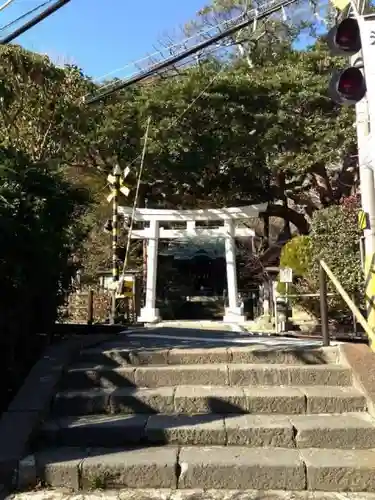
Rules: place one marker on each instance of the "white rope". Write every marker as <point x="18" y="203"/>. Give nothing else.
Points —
<point x="178" y="118"/>
<point x="135" y="204"/>
<point x="142" y="156"/>
<point x="6" y="4"/>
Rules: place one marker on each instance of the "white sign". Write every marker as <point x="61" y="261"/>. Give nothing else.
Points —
<point x="286" y="275"/>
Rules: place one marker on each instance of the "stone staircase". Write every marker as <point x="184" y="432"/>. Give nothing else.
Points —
<point x="131" y="414"/>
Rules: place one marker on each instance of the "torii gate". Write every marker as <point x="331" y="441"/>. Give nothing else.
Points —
<point x="234" y="312"/>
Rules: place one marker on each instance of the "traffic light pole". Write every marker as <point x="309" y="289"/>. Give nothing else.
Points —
<point x="366" y="176"/>
<point x="366" y="136"/>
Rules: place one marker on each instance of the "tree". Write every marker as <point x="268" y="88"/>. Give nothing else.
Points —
<point x="42" y="111"/>
<point x="247" y="135"/>
<point x="41" y="227"/>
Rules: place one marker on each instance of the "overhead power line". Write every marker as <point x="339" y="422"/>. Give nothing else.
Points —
<point x="26" y="14"/>
<point x="33" y="22"/>
<point x="6" y="4"/>
<point x="254" y="15"/>
<point x="181" y="44"/>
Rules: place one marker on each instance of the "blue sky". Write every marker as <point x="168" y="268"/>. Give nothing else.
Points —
<point x="102" y="35"/>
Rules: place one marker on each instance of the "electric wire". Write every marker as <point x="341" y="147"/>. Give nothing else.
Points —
<point x="177" y="44"/>
<point x="6" y="4"/>
<point x="23" y="16"/>
<point x="135" y="203"/>
<point x="257" y="14"/>
<point x="34" y="21"/>
<point x="142" y="155"/>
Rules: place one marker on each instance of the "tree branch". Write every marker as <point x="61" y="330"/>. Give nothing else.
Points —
<point x="289" y="215"/>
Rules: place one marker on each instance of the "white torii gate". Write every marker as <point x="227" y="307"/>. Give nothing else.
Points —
<point x="229" y="231"/>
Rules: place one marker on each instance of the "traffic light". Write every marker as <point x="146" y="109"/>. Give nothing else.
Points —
<point x="347" y="86"/>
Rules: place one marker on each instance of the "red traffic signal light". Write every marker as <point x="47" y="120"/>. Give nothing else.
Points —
<point x="345" y="39"/>
<point x="348" y="86"/>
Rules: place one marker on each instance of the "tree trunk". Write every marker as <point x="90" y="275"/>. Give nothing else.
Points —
<point x="323" y="185"/>
<point x="289" y="215"/>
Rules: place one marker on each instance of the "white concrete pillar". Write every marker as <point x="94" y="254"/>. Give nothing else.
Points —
<point x="149" y="313"/>
<point x="234" y="312"/>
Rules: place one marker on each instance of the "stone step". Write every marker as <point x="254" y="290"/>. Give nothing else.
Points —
<point x="219" y="400"/>
<point x="86" y="377"/>
<point x="123" y="356"/>
<point x="346" y="431"/>
<point x="214" y="467"/>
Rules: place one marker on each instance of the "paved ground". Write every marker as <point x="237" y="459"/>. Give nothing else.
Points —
<point x="49" y="494"/>
<point x="192" y="335"/>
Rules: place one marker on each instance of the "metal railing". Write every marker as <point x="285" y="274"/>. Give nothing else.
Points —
<point x="324" y="273"/>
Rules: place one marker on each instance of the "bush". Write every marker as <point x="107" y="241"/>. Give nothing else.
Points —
<point x="296" y="254"/>
<point x="40" y="227"/>
<point x="334" y="237"/>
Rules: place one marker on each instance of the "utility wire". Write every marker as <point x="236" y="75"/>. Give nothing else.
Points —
<point x="183" y="113"/>
<point x="143" y="154"/>
<point x="178" y="44"/>
<point x="6" y="4"/>
<point x="33" y="22"/>
<point x="27" y="14"/>
<point x="135" y="203"/>
<point x="257" y="14"/>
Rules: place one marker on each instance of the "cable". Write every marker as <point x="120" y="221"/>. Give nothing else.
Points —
<point x="33" y="22"/>
<point x="200" y="33"/>
<point x="142" y="156"/>
<point x="176" y="120"/>
<point x="15" y="21"/>
<point x="135" y="201"/>
<point x="175" y="59"/>
<point x="6" y="4"/>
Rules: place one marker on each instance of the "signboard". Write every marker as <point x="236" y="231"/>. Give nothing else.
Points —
<point x="362" y="220"/>
<point x="286" y="275"/>
<point x="123" y="188"/>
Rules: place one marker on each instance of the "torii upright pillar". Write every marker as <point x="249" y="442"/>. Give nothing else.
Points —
<point x="233" y="313"/>
<point x="149" y="313"/>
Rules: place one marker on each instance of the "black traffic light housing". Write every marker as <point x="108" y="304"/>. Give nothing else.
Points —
<point x="347" y="86"/>
<point x="345" y="38"/>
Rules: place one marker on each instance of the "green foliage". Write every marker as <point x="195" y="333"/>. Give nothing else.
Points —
<point x="44" y="126"/>
<point x="296" y="254"/>
<point x="334" y="238"/>
<point x="40" y="223"/>
<point x="42" y="111"/>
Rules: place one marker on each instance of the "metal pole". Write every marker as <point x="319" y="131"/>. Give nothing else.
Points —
<point x="90" y="307"/>
<point x="324" y="306"/>
<point x="115" y="269"/>
<point x="367" y="187"/>
<point x="34" y="21"/>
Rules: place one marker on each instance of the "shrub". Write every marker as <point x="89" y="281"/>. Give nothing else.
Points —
<point x="335" y="239"/>
<point x="296" y="254"/>
<point x="40" y="227"/>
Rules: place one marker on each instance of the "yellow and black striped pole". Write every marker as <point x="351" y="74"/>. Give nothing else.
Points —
<point x="115" y="268"/>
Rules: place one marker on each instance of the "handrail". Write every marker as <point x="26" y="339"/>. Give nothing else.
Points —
<point x="356" y="312"/>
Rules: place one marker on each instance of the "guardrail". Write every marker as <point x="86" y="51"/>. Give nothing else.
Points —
<point x="324" y="272"/>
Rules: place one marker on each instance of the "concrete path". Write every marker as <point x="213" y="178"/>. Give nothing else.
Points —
<point x="51" y="494"/>
<point x="194" y="336"/>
